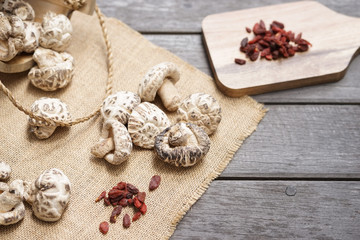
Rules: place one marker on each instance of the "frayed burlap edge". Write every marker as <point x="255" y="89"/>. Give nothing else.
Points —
<point x="220" y="168"/>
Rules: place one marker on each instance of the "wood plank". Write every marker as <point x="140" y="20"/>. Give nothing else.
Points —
<point x="326" y="61"/>
<point x="190" y="48"/>
<point x="301" y="141"/>
<point x="262" y="210"/>
<point x="186" y="16"/>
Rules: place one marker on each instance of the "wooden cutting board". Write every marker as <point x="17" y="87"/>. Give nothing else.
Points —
<point x="335" y="39"/>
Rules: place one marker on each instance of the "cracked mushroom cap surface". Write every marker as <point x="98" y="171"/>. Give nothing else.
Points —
<point x="52" y="108"/>
<point x="119" y="106"/>
<point x="32" y="35"/>
<point x="5" y="171"/>
<point x="53" y="71"/>
<point x="75" y="4"/>
<point x="115" y="143"/>
<point x="201" y="109"/>
<point x="57" y="30"/>
<point x="19" y="8"/>
<point x="12" y="208"/>
<point x="145" y="123"/>
<point x="155" y="77"/>
<point x="12" y="34"/>
<point x="182" y="145"/>
<point x="49" y="195"/>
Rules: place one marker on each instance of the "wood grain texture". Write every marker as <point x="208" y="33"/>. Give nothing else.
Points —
<point x="326" y="61"/>
<point x="262" y="210"/>
<point x="301" y="141"/>
<point x="185" y="16"/>
<point x="190" y="48"/>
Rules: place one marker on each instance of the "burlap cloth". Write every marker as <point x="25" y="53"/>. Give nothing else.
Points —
<point x="69" y="148"/>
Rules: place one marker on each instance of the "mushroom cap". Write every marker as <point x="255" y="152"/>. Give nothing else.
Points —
<point x="182" y="144"/>
<point x="49" y="195"/>
<point x="145" y="123"/>
<point x="155" y="77"/>
<point x="55" y="70"/>
<point x="19" y="8"/>
<point x="12" y="209"/>
<point x="201" y="109"/>
<point x="11" y="42"/>
<point x="5" y="171"/>
<point x="52" y="108"/>
<point x="32" y="35"/>
<point x="56" y="33"/>
<point x="114" y="136"/>
<point x="119" y="106"/>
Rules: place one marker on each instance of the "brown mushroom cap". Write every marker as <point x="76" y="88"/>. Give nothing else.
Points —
<point x="201" y="109"/>
<point x="145" y="123"/>
<point x="183" y="144"/>
<point x="119" y="106"/>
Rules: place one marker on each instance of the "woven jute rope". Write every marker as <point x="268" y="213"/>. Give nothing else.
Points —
<point x="108" y="89"/>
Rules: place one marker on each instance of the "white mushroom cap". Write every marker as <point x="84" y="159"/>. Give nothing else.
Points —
<point x="5" y="171"/>
<point x="12" y="209"/>
<point x="56" y="33"/>
<point x="52" y="108"/>
<point x="49" y="195"/>
<point x="202" y="110"/>
<point x="145" y="123"/>
<point x="55" y="70"/>
<point x="161" y="78"/>
<point x="183" y="144"/>
<point x="19" y="8"/>
<point x="32" y="35"/>
<point x="119" y="106"/>
<point x="115" y="143"/>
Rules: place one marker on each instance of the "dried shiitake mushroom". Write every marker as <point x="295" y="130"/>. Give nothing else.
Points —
<point x="161" y="79"/>
<point x="145" y="123"/>
<point x="53" y="71"/>
<point x="183" y="144"/>
<point x="201" y="109"/>
<point x="52" y="108"/>
<point x="49" y="195"/>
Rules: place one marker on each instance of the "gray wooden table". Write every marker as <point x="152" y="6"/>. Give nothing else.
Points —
<point x="298" y="175"/>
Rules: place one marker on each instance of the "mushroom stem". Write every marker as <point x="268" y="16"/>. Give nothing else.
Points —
<point x="169" y="95"/>
<point x="103" y="147"/>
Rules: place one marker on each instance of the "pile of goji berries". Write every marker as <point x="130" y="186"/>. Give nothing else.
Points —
<point x="123" y="195"/>
<point x="271" y="44"/>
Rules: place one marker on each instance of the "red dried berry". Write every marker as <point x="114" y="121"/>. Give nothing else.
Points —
<point x="141" y="196"/>
<point x="154" y="182"/>
<point x="123" y="202"/>
<point x="104" y="227"/>
<point x="248" y="29"/>
<point x="126" y="221"/>
<point x="143" y="209"/>
<point x="132" y="189"/>
<point x="136" y="216"/>
<point x="107" y="201"/>
<point x="130" y="201"/>
<point x="101" y="196"/>
<point x="121" y="185"/>
<point x="137" y="203"/>
<point x="115" y="213"/>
